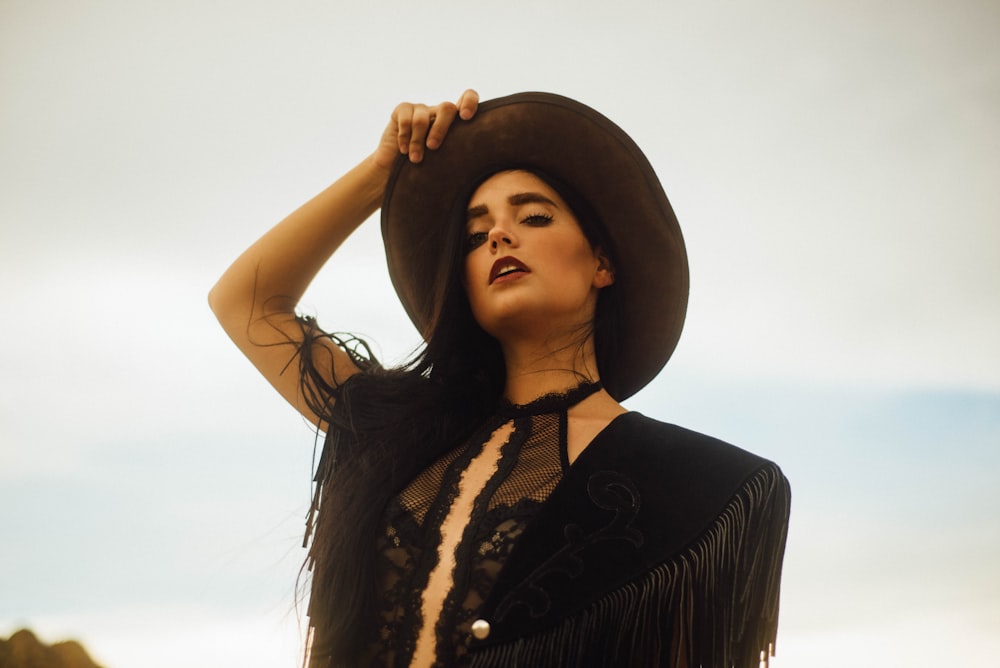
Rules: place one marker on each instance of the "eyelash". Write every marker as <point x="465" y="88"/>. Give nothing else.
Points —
<point x="477" y="239"/>
<point x="537" y="220"/>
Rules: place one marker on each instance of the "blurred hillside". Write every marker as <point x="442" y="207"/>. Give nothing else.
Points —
<point x="25" y="650"/>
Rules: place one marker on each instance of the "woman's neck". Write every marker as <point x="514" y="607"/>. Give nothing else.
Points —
<point x="537" y="370"/>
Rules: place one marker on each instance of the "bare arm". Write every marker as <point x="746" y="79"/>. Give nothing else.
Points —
<point x="255" y="299"/>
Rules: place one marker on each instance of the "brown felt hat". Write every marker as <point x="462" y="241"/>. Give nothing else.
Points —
<point x="565" y="139"/>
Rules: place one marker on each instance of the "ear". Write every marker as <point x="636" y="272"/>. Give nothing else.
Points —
<point x="605" y="274"/>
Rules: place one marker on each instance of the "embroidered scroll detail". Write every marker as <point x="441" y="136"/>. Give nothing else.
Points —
<point x="608" y="490"/>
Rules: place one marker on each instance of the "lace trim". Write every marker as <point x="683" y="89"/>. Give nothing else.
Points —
<point x="477" y="526"/>
<point x="553" y="402"/>
<point x="432" y="537"/>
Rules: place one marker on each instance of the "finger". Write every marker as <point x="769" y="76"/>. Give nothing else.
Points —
<point x="443" y="117"/>
<point x="468" y="103"/>
<point x="421" y="121"/>
<point x="403" y="116"/>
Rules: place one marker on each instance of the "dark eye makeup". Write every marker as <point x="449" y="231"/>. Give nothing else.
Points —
<point x="537" y="219"/>
<point x="477" y="239"/>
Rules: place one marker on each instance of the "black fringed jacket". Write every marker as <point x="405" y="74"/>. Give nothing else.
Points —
<point x="660" y="547"/>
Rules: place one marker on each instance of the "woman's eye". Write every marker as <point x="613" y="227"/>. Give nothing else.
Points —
<point x="538" y="220"/>
<point x="475" y="240"/>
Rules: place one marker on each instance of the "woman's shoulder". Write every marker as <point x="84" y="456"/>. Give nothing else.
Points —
<point x="678" y="481"/>
<point x="636" y="441"/>
<point x="683" y="480"/>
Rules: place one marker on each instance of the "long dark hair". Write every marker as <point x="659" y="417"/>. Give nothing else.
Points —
<point x="387" y="424"/>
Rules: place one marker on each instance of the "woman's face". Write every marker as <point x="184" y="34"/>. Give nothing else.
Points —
<point x="529" y="270"/>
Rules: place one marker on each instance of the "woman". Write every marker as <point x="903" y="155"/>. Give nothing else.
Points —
<point x="492" y="503"/>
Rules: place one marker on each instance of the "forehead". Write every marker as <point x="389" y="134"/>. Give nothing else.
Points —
<point x="511" y="182"/>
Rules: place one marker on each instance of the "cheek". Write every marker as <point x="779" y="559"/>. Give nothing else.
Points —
<point x="582" y="260"/>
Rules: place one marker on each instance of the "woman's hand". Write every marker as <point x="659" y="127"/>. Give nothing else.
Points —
<point x="416" y="127"/>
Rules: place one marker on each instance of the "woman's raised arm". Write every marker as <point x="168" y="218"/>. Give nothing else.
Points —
<point x="255" y="299"/>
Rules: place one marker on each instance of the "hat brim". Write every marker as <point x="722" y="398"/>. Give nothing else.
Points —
<point x="570" y="141"/>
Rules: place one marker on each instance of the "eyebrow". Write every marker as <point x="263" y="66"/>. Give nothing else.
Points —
<point x="514" y="200"/>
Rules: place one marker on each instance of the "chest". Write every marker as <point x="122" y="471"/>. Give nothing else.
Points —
<point x="450" y="530"/>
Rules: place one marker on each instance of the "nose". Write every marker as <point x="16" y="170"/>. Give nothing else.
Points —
<point x="500" y="235"/>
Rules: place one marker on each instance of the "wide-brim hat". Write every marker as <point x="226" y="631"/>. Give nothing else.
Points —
<point x="565" y="139"/>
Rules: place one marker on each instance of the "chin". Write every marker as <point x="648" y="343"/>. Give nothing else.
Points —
<point x="505" y="325"/>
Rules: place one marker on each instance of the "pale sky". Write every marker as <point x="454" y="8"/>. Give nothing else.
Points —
<point x="834" y="166"/>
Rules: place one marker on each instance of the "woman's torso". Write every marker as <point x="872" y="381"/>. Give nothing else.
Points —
<point x="447" y="534"/>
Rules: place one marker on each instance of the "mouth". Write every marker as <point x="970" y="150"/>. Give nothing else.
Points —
<point x="507" y="266"/>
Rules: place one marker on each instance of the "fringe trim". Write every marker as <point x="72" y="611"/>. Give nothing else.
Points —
<point x="715" y="605"/>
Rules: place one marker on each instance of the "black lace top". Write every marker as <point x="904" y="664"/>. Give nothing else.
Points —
<point x="448" y="533"/>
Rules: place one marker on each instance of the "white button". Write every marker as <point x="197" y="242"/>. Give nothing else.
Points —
<point x="481" y="629"/>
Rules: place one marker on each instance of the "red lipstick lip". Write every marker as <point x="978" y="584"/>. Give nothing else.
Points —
<point x="507" y="261"/>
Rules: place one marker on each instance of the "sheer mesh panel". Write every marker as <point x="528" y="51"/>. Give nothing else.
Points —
<point x="538" y="467"/>
<point x="418" y="496"/>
